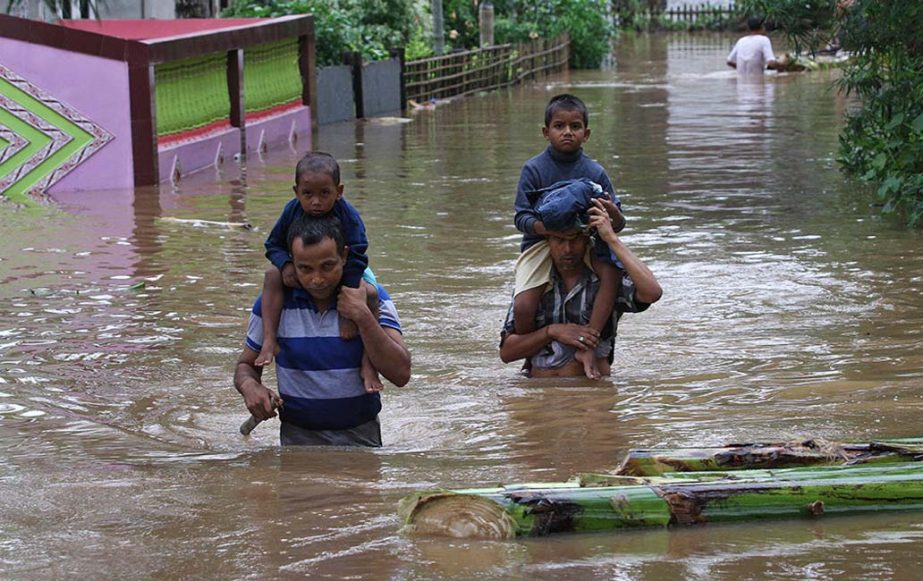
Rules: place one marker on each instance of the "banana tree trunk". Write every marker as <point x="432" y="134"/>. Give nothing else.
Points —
<point x="768" y="455"/>
<point x="593" y="503"/>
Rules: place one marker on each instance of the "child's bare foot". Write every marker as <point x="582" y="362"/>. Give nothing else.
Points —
<point x="266" y="353"/>
<point x="588" y="358"/>
<point x="370" y="378"/>
<point x="348" y="329"/>
<point x="526" y="370"/>
<point x="372" y="382"/>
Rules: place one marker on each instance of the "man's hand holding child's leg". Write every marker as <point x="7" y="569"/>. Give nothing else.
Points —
<point x="348" y="329"/>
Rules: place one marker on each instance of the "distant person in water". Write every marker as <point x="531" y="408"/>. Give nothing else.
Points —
<point x="318" y="194"/>
<point x="562" y="336"/>
<point x="323" y="397"/>
<point x="753" y="53"/>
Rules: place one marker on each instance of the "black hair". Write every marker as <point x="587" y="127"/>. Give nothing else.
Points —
<point x="755" y="23"/>
<point x="566" y="102"/>
<point x="313" y="230"/>
<point x="318" y="162"/>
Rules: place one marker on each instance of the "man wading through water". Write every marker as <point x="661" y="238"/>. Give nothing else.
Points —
<point x="563" y="336"/>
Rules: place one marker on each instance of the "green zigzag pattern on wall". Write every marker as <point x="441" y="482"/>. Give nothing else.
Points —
<point x="41" y="138"/>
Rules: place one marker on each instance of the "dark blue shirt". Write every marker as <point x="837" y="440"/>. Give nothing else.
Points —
<point x="353" y="231"/>
<point x="545" y="169"/>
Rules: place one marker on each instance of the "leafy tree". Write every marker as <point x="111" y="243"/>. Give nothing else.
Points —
<point x="371" y="27"/>
<point x="461" y="23"/>
<point x="586" y="21"/>
<point x="807" y="24"/>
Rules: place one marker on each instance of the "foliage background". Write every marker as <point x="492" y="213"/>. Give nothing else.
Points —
<point x="883" y="139"/>
<point x="372" y="27"/>
<point x="587" y="21"/>
<point x="882" y="143"/>
<point x="807" y="24"/>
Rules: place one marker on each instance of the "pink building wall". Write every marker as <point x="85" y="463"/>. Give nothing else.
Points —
<point x="94" y="86"/>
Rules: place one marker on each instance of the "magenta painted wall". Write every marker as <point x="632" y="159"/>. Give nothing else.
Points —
<point x="98" y="89"/>
<point x="280" y="130"/>
<point x="192" y="156"/>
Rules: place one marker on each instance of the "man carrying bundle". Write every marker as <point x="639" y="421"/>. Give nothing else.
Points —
<point x="563" y="338"/>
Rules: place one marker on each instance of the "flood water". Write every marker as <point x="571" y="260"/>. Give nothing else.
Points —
<point x="791" y="310"/>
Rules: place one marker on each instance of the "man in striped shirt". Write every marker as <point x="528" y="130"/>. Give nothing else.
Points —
<point x="564" y="344"/>
<point x="323" y="399"/>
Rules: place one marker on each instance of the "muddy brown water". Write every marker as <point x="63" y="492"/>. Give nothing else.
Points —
<point x="791" y="310"/>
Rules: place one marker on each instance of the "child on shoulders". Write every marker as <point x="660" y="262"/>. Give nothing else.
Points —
<point x="318" y="193"/>
<point x="566" y="129"/>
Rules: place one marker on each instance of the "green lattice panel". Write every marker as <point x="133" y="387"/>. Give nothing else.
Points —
<point x="191" y="93"/>
<point x="271" y="75"/>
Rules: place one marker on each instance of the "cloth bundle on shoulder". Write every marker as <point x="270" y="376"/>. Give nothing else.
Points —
<point x="563" y="205"/>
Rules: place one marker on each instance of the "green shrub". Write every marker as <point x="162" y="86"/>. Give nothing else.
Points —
<point x="419" y="46"/>
<point x="586" y="21"/>
<point x="883" y="139"/>
<point x="510" y="31"/>
<point x="371" y="27"/>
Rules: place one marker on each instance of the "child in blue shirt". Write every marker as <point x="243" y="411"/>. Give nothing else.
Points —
<point x="318" y="193"/>
<point x="566" y="129"/>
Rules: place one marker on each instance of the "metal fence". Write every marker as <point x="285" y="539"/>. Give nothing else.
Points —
<point x="693" y="12"/>
<point x="658" y="14"/>
<point x="485" y="69"/>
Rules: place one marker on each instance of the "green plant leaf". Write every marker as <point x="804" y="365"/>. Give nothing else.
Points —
<point x="895" y="121"/>
<point x="917" y="123"/>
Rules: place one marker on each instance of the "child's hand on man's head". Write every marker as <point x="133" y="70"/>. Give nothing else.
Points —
<point x="600" y="220"/>
<point x="615" y="215"/>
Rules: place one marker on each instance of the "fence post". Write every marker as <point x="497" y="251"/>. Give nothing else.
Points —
<point x="143" y="106"/>
<point x="354" y="59"/>
<point x="486" y="21"/>
<point x="235" y="76"/>
<point x="238" y="112"/>
<point x="307" y="64"/>
<point x="398" y="53"/>
<point x="438" y="27"/>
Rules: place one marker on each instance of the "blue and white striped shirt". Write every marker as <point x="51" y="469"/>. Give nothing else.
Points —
<point x="317" y="371"/>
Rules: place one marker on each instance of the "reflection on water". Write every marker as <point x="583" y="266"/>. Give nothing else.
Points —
<point x="791" y="310"/>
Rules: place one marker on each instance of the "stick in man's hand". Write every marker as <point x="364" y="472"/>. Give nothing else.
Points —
<point x="251" y="422"/>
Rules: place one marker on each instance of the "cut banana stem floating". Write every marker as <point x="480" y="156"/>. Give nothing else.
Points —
<point x="768" y="455"/>
<point x="881" y="476"/>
